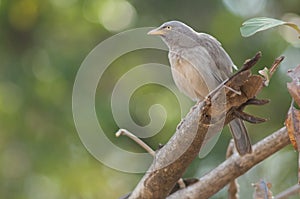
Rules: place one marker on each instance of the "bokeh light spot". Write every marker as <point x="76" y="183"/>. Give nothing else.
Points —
<point x="40" y="186"/>
<point x="245" y="8"/>
<point x="42" y="69"/>
<point x="23" y="14"/>
<point x="63" y="3"/>
<point x="14" y="161"/>
<point x="10" y="97"/>
<point x="288" y="33"/>
<point x="292" y="59"/>
<point x="117" y="15"/>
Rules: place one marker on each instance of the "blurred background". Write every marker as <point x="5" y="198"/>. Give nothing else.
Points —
<point x="42" y="45"/>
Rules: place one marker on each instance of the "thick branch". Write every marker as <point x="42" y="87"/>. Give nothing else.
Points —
<point x="233" y="167"/>
<point x="210" y="115"/>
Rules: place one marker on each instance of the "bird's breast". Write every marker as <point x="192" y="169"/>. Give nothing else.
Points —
<point x="187" y="78"/>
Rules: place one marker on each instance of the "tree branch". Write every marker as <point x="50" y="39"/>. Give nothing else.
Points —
<point x="136" y="139"/>
<point x="212" y="114"/>
<point x="233" y="188"/>
<point x="233" y="167"/>
<point x="289" y="192"/>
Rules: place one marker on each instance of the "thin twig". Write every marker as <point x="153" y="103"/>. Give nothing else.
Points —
<point x="136" y="139"/>
<point x="289" y="192"/>
<point x="120" y="132"/>
<point x="233" y="188"/>
<point x="172" y="160"/>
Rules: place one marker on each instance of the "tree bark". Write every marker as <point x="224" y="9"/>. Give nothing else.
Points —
<point x="233" y="167"/>
<point x="212" y="114"/>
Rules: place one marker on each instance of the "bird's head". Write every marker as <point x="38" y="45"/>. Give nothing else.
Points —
<point x="175" y="33"/>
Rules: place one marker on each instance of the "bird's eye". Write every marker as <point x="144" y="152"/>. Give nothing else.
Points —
<point x="168" y="27"/>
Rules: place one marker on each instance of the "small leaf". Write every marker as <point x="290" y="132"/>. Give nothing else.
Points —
<point x="292" y="124"/>
<point x="254" y="25"/>
<point x="265" y="73"/>
<point x="294" y="86"/>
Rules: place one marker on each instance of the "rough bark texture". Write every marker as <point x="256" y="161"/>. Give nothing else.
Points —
<point x="212" y="114"/>
<point x="233" y="167"/>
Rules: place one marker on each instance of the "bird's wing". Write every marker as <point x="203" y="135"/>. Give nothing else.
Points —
<point x="200" y="59"/>
<point x="205" y="58"/>
<point x="218" y="54"/>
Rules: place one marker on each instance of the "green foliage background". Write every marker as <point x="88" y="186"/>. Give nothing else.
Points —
<point x="43" y="43"/>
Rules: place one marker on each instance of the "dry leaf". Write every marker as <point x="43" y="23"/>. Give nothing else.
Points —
<point x="294" y="86"/>
<point x="292" y="124"/>
<point x="266" y="74"/>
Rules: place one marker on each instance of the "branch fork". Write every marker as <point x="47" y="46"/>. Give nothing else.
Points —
<point x="171" y="161"/>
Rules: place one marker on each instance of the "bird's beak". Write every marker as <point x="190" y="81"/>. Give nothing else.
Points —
<point x="156" y="31"/>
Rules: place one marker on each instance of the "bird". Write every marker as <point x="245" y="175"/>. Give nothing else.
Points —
<point x="199" y="64"/>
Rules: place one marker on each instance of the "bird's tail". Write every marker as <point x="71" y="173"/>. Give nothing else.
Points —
<point x="240" y="136"/>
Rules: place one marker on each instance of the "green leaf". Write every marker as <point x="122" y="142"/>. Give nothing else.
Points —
<point x="254" y="25"/>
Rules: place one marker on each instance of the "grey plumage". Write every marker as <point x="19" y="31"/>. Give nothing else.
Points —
<point x="199" y="64"/>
